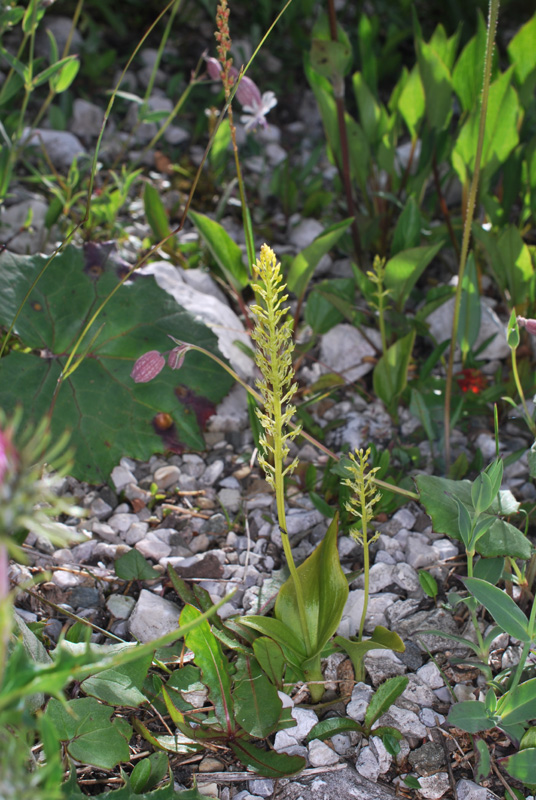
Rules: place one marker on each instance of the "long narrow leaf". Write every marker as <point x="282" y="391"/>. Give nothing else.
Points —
<point x="501" y="607"/>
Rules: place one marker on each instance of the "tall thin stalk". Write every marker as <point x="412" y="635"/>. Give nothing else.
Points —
<point x="469" y="214"/>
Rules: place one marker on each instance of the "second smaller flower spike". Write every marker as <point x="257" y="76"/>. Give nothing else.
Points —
<point x="148" y="366"/>
<point x="529" y="324"/>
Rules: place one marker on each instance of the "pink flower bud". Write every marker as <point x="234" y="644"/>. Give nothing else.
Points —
<point x="148" y="366"/>
<point x="248" y="93"/>
<point x="8" y="455"/>
<point x="213" y="68"/>
<point x="529" y="324"/>
<point x="176" y="356"/>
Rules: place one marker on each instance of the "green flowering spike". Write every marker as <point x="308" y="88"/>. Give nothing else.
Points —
<point x="361" y="506"/>
<point x="361" y="481"/>
<point x="273" y="356"/>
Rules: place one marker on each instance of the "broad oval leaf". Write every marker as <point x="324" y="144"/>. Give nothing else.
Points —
<point x="257" y="704"/>
<point x="267" y="763"/>
<point x="384" y="697"/>
<point x="501" y="607"/>
<point x="329" y="727"/>
<point x="521" y="765"/>
<point x="519" y="705"/>
<point x="470" y="716"/>
<point x="324" y="589"/>
<point x="109" y="415"/>
<point x="214" y="666"/>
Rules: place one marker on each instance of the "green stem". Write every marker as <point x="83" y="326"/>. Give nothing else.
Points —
<point x="530" y="422"/>
<point x="474" y="619"/>
<point x="366" y="570"/>
<point x="526" y="649"/>
<point x="471" y="202"/>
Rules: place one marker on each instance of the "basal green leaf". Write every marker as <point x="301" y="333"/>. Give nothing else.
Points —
<point x="383" y="698"/>
<point x="267" y="763"/>
<point x="84" y="726"/>
<point x="120" y="686"/>
<point x="521" y="765"/>
<point x="325" y="590"/>
<point x="329" y="727"/>
<point x="501" y="607"/>
<point x="411" y="103"/>
<point x="257" y="704"/>
<point x="519" y="705"/>
<point x="271" y="658"/>
<point x="436" y="80"/>
<point x="407" y="234"/>
<point x="214" y="666"/>
<point x="470" y="716"/>
<point x="521" y="51"/>
<point x="469" y="319"/>
<point x="132" y="566"/>
<point x="381" y="639"/>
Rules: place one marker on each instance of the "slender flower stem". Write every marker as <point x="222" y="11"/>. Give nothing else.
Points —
<point x="530" y="422"/>
<point x="469" y="213"/>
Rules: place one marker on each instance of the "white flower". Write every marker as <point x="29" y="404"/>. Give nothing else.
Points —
<point x="256" y="112"/>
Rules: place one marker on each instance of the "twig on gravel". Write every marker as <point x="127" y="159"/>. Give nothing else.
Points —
<point x="182" y="510"/>
<point x="235" y="777"/>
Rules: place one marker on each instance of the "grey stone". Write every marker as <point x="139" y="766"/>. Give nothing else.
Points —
<point x="384" y="758"/>
<point x="351" y="615"/>
<point x="120" y="605"/>
<point x="342" y="743"/>
<point x="407" y="722"/>
<point x="305" y="232"/>
<point x="367" y="764"/>
<point x="468" y="790"/>
<point x="136" y="532"/>
<point x="231" y="499"/>
<point x="121" y="522"/>
<point x="377" y="608"/>
<point x="61" y="28"/>
<point x="193" y="464"/>
<point x="413" y="628"/>
<point x="380" y="577"/>
<point x="446" y="548"/>
<point x="153" y="616"/>
<point x="427" y="759"/>
<point x="62" y="147"/>
<point x="407" y="578"/>
<point x="358" y="704"/>
<point x="299" y="520"/>
<point x="215" y="314"/>
<point x="419" y="554"/>
<point x="433" y="787"/>
<point x="175" y="135"/>
<point x="100" y="509"/>
<point x="106" y="532"/>
<point x="340" y="783"/>
<point x="13" y="220"/>
<point x="399" y="610"/>
<point x="63" y="556"/>
<point x="430" y="675"/>
<point x="321" y="754"/>
<point x="345" y="350"/>
<point x="84" y="596"/>
<point x="432" y="719"/>
<point x="262" y="787"/>
<point x="212" y="473"/>
<point x="121" y="476"/>
<point x="87" y="119"/>
<point x="440" y="322"/>
<point x="383" y="664"/>
<point x="417" y="693"/>
<point x="110" y="552"/>
<point x="66" y="580"/>
<point x="166" y="477"/>
<point x="151" y="546"/>
<point x="405" y="517"/>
